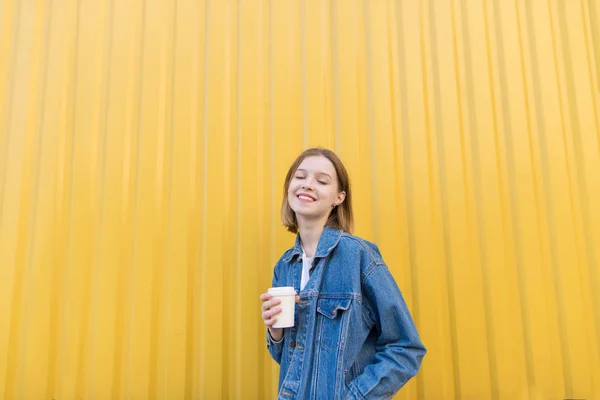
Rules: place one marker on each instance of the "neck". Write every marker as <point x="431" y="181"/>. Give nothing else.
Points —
<point x="310" y="233"/>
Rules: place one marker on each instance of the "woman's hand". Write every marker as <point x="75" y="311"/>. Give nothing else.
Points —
<point x="270" y="310"/>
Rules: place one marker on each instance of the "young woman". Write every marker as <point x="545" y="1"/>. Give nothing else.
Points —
<point x="353" y="337"/>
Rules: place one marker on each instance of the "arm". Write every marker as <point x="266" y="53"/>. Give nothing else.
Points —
<point x="274" y="335"/>
<point x="275" y="347"/>
<point x="399" y="350"/>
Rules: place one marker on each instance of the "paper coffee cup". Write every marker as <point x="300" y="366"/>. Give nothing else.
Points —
<point x="287" y="295"/>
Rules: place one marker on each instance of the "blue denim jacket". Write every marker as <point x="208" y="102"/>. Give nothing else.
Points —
<point x="353" y="336"/>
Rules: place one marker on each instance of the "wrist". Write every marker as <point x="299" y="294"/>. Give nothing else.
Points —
<point x="276" y="334"/>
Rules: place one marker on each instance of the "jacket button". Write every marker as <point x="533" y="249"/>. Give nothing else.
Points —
<point x="293" y="343"/>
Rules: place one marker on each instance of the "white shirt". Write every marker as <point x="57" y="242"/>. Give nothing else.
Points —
<point x="306" y="266"/>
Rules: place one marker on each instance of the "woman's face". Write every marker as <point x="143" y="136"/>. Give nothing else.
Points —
<point x="313" y="190"/>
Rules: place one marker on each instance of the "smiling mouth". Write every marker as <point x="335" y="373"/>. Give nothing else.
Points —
<point x="305" y="197"/>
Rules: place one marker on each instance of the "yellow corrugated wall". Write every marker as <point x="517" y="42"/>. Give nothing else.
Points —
<point x="143" y="145"/>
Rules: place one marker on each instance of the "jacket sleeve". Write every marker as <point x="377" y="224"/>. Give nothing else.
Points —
<point x="275" y="347"/>
<point x="399" y="350"/>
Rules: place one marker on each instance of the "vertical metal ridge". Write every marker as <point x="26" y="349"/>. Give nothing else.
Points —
<point x="335" y="69"/>
<point x="393" y="87"/>
<point x="159" y="273"/>
<point x="327" y="82"/>
<point x="503" y="212"/>
<point x="9" y="98"/>
<point x="546" y="169"/>
<point x="117" y="366"/>
<point x="580" y="169"/>
<point x="428" y="139"/>
<point x="564" y="349"/>
<point x="260" y="164"/>
<point x="69" y="250"/>
<point x="28" y="230"/>
<point x="371" y="114"/>
<point x="136" y="204"/>
<point x="169" y="236"/>
<point x="358" y="37"/>
<point x="595" y="30"/>
<point x="304" y="77"/>
<point x="393" y="108"/>
<point x="358" y="100"/>
<point x="227" y="352"/>
<point x="442" y="181"/>
<point x="125" y="256"/>
<point x="427" y="119"/>
<point x="83" y="355"/>
<point x="91" y="326"/>
<point x="273" y="215"/>
<point x="575" y="124"/>
<point x="58" y="304"/>
<point x="513" y="212"/>
<point x="476" y="161"/>
<point x="158" y="202"/>
<point x="408" y="178"/>
<point x="525" y="311"/>
<point x="592" y="266"/>
<point x="53" y="304"/>
<point x="272" y="129"/>
<point x="237" y="367"/>
<point x="15" y="323"/>
<point x="11" y="46"/>
<point x="53" y="329"/>
<point x="203" y="246"/>
<point x="463" y="158"/>
<point x="593" y="54"/>
<point x="195" y="235"/>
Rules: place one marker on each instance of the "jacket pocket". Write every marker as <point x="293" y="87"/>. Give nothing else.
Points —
<point x="332" y="322"/>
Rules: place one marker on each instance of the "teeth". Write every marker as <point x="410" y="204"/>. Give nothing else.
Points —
<point x="305" y="198"/>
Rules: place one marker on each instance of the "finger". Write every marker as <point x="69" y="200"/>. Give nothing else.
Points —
<point x="269" y="319"/>
<point x="271" y="322"/>
<point x="270" y="313"/>
<point x="297" y="298"/>
<point x="270" y="304"/>
<point x="265" y="296"/>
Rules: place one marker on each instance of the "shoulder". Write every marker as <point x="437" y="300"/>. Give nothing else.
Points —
<point x="280" y="269"/>
<point x="287" y="255"/>
<point x="368" y="251"/>
<point x="290" y="254"/>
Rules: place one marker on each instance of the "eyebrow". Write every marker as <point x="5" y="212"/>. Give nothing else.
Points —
<point x="321" y="173"/>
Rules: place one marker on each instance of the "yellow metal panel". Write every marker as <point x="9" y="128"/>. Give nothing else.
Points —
<point x="143" y="146"/>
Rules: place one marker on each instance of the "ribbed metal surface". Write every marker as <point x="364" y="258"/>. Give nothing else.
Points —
<point x="143" y="146"/>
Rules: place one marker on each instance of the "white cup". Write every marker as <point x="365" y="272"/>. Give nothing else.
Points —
<point x="287" y="295"/>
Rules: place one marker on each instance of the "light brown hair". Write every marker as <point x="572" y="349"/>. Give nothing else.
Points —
<point x="341" y="217"/>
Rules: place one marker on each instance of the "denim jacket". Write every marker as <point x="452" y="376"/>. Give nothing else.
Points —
<point x="353" y="336"/>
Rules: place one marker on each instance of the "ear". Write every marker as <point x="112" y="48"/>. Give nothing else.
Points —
<point x="340" y="198"/>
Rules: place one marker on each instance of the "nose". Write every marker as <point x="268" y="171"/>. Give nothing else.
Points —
<point x="308" y="184"/>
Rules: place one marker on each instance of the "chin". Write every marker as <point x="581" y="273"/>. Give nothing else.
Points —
<point x="309" y="215"/>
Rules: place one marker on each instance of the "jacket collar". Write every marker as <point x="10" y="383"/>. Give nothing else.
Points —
<point x="327" y="242"/>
